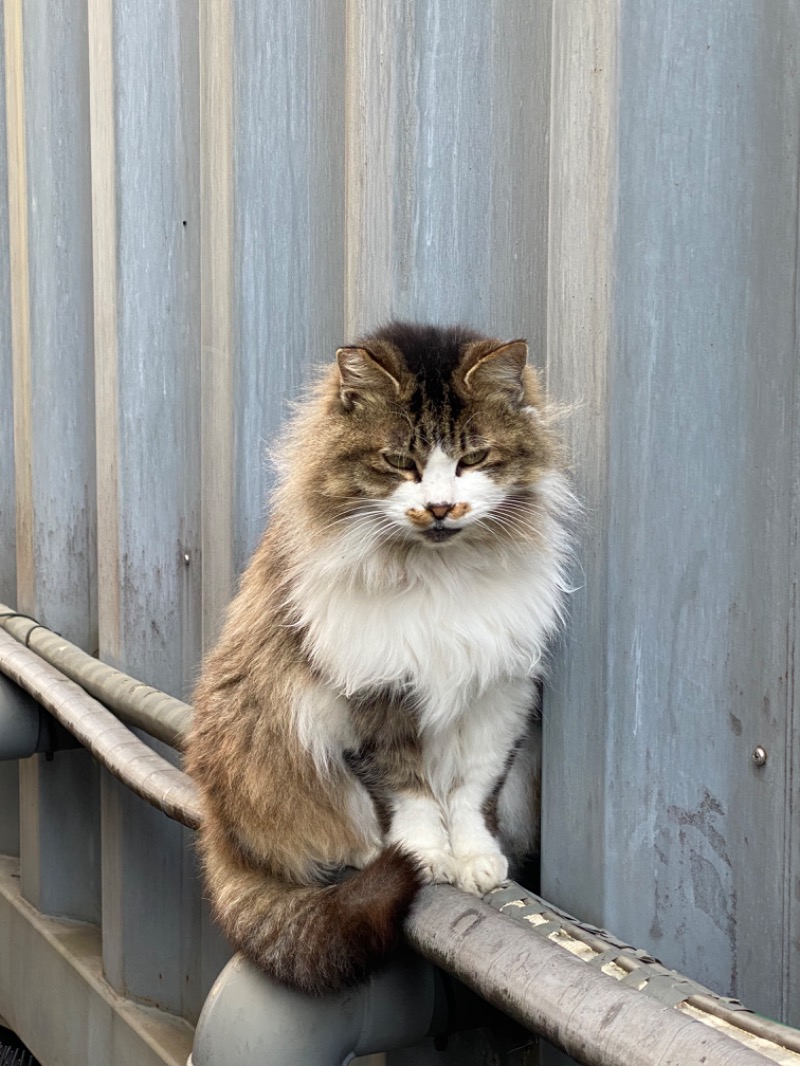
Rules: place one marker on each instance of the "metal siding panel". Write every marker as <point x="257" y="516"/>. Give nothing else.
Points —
<point x="146" y="230"/>
<point x="61" y="435"/>
<point x="8" y="559"/>
<point x="663" y="829"/>
<point x="447" y="204"/>
<point x="9" y="774"/>
<point x="580" y="286"/>
<point x="54" y="444"/>
<point x="288" y="227"/>
<point x="216" y="311"/>
<point x="157" y="216"/>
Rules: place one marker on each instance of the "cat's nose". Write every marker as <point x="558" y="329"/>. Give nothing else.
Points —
<point x="439" y="510"/>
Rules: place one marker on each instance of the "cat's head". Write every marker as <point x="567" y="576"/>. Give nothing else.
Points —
<point x="433" y="437"/>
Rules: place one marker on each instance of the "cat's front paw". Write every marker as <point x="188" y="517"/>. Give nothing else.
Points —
<point x="437" y="866"/>
<point x="479" y="874"/>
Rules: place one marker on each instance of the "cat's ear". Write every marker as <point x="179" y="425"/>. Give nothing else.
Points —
<point x="362" y="376"/>
<point x="499" y="370"/>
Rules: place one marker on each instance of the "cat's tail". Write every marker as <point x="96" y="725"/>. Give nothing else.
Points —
<point x="316" y="938"/>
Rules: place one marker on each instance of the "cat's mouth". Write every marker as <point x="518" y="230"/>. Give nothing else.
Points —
<point x="439" y="534"/>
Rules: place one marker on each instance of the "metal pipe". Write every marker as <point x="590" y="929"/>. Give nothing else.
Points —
<point x="157" y="714"/>
<point x="124" y="755"/>
<point x="632" y="962"/>
<point x="248" y="1018"/>
<point x="24" y="726"/>
<point x="595" y="1019"/>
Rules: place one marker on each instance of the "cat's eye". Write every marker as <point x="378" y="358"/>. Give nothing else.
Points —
<point x="399" y="460"/>
<point x="473" y="458"/>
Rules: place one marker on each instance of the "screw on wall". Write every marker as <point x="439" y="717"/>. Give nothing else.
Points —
<point x="759" y="755"/>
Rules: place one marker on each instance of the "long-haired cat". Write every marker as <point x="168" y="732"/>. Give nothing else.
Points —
<point x="369" y="702"/>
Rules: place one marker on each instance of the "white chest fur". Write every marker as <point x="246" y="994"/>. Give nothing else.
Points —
<point x="448" y="629"/>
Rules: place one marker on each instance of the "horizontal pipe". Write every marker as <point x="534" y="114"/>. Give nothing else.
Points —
<point x="763" y="1028"/>
<point x="112" y="744"/>
<point x="157" y="714"/>
<point x="577" y="1007"/>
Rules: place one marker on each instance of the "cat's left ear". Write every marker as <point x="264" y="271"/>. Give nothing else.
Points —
<point x="500" y="370"/>
<point x="362" y="375"/>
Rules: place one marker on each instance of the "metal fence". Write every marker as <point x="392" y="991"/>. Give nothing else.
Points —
<point x="205" y="199"/>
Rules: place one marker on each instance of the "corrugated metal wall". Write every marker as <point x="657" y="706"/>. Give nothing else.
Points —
<point x="672" y="316"/>
<point x="204" y="200"/>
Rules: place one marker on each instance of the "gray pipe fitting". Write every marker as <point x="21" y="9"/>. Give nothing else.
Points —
<point x="24" y="726"/>
<point x="249" y="1020"/>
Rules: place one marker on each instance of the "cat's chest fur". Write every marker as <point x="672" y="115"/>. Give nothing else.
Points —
<point x="444" y="633"/>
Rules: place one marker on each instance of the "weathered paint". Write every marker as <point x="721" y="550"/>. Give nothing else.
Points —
<point x="673" y="324"/>
<point x="9" y="773"/>
<point x="447" y="165"/>
<point x="51" y="308"/>
<point x="287" y="290"/>
<point x="145" y="143"/>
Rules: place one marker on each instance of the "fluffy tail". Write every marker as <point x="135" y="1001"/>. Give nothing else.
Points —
<point x="317" y="938"/>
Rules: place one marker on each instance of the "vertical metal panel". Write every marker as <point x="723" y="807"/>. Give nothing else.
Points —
<point x="447" y="165"/>
<point x="9" y="774"/>
<point x="150" y="421"/>
<point x="288" y="226"/>
<point x="656" y="821"/>
<point x="8" y="560"/>
<point x="55" y="441"/>
<point x="216" y="310"/>
<point x="580" y="290"/>
<point x="145" y="139"/>
<point x="47" y="120"/>
<point x="273" y="221"/>
<point x="272" y="251"/>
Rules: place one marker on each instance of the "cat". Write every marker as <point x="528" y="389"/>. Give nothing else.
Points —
<point x="369" y="703"/>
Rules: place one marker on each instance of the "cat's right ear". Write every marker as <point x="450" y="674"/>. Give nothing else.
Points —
<point x="362" y="376"/>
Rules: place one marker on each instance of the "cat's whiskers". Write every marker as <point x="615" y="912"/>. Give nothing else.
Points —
<point x="514" y="527"/>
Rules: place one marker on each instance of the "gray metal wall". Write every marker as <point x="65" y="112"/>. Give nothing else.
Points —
<point x="672" y="322"/>
<point x="204" y="200"/>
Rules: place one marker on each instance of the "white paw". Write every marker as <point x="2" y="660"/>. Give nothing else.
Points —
<point x="479" y="874"/>
<point x="437" y="866"/>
